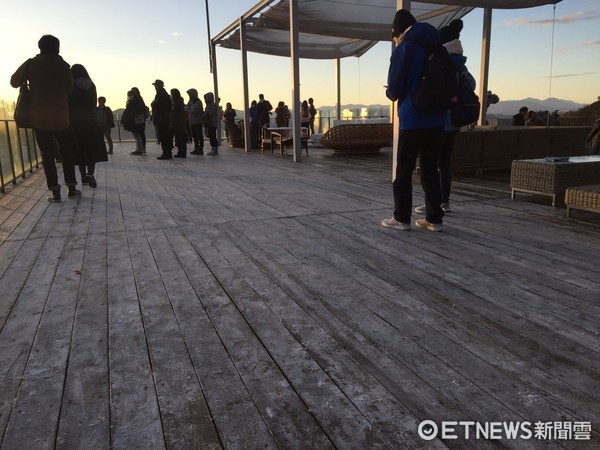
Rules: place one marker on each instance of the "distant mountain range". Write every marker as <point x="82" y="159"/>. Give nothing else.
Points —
<point x="504" y="108"/>
<point x="511" y="107"/>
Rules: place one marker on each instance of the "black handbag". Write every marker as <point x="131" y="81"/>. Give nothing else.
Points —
<point x="23" y="107"/>
<point x="22" y="114"/>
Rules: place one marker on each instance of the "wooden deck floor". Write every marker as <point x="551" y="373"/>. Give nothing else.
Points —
<point x="244" y="301"/>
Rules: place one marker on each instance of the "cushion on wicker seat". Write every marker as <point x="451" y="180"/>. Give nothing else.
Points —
<point x="358" y="138"/>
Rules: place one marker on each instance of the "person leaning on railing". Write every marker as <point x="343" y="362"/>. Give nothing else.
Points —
<point x="593" y="139"/>
<point x="50" y="83"/>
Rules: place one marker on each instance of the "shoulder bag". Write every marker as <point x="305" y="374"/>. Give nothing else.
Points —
<point x="23" y="107"/>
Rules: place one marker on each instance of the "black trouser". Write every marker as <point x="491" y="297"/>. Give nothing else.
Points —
<point x="212" y="137"/>
<point x="166" y="139"/>
<point x="427" y="143"/>
<point x="198" y="136"/>
<point x="446" y="164"/>
<point x="48" y="142"/>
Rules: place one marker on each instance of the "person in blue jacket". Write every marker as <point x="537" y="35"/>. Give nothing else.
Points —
<point x="421" y="131"/>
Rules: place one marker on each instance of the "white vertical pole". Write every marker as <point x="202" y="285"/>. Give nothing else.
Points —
<point x="295" y="59"/>
<point x="485" y="63"/>
<point x="247" y="142"/>
<point x="400" y="4"/>
<point x="338" y="74"/>
<point x="212" y="56"/>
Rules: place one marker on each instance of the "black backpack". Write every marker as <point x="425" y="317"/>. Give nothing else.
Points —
<point x="465" y="110"/>
<point x="438" y="85"/>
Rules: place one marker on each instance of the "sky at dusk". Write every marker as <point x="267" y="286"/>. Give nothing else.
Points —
<point x="132" y="43"/>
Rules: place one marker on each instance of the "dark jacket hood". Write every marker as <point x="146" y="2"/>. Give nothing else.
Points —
<point x="209" y="97"/>
<point x="425" y="34"/>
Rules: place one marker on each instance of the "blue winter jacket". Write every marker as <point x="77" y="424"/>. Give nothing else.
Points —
<point x="406" y="66"/>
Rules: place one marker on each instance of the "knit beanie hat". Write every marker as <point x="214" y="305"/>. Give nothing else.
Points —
<point x="451" y="31"/>
<point x="402" y="20"/>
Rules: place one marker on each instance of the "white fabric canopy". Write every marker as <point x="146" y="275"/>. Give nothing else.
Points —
<point x="331" y="29"/>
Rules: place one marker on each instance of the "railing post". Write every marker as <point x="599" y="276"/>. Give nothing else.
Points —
<point x="20" y="143"/>
<point x="2" y="189"/>
<point x="10" y="154"/>
<point x="29" y="151"/>
<point x="38" y="156"/>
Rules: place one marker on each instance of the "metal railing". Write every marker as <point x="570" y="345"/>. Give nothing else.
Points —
<point x="19" y="153"/>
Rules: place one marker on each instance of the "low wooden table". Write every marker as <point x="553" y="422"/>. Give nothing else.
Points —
<point x="539" y="176"/>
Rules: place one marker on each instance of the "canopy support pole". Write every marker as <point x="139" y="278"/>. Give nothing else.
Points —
<point x="212" y="58"/>
<point x="485" y="64"/>
<point x="247" y="125"/>
<point x="295" y="59"/>
<point x="338" y="77"/>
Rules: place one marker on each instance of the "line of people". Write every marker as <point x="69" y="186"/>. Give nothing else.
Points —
<point x="170" y="115"/>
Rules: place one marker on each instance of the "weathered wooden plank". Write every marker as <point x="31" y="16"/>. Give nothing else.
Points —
<point x="186" y="419"/>
<point x="134" y="413"/>
<point x="85" y="411"/>
<point x="362" y="389"/>
<point x="235" y="414"/>
<point x="18" y="333"/>
<point x="275" y="398"/>
<point x="43" y="379"/>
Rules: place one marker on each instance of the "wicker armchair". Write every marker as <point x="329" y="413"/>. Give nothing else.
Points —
<point x="358" y="138"/>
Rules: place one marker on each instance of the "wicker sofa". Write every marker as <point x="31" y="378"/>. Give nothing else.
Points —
<point x="496" y="149"/>
<point x="358" y="138"/>
<point x="586" y="198"/>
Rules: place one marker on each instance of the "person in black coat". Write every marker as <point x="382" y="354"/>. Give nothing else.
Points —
<point x="87" y="135"/>
<point x="161" y="112"/>
<point x="263" y="109"/>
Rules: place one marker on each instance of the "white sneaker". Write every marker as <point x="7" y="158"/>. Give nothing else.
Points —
<point x="423" y="209"/>
<point x="423" y="223"/>
<point x="393" y="223"/>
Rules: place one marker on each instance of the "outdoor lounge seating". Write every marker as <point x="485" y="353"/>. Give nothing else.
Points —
<point x="540" y="176"/>
<point x="358" y="138"/>
<point x="583" y="197"/>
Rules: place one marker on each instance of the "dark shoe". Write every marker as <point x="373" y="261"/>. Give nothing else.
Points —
<point x="54" y="196"/>
<point x="91" y="181"/>
<point x="110" y="152"/>
<point x="84" y="181"/>
<point x="74" y="192"/>
<point x="137" y="152"/>
<point x="213" y="152"/>
<point x="165" y="157"/>
<point x="179" y="155"/>
<point x="197" y="152"/>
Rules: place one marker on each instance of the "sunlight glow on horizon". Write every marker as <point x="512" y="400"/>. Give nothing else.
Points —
<point x="120" y="53"/>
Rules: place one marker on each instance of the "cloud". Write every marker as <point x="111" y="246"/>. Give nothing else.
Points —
<point x="161" y="42"/>
<point x="583" y="45"/>
<point x="576" y="17"/>
<point x="571" y="75"/>
<point x="176" y="33"/>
